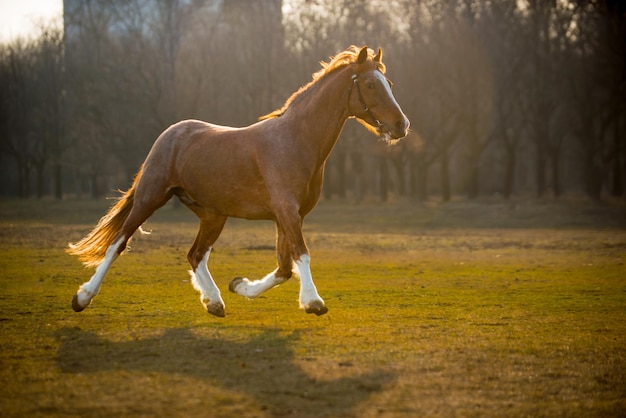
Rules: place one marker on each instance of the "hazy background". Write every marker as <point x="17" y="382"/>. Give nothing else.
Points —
<point x="505" y="98"/>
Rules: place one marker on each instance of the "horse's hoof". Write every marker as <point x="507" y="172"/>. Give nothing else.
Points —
<point x="317" y="308"/>
<point x="234" y="283"/>
<point x="76" y="306"/>
<point x="216" y="309"/>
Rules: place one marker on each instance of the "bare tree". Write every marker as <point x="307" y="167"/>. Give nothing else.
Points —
<point x="548" y="24"/>
<point x="503" y="36"/>
<point x="87" y="28"/>
<point x="611" y="53"/>
<point x="474" y="83"/>
<point x="49" y="115"/>
<point x="495" y="91"/>
<point x="17" y="74"/>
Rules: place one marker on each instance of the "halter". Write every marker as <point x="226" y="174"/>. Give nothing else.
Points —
<point x="355" y="82"/>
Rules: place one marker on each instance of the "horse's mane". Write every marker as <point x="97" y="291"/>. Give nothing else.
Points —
<point x="337" y="62"/>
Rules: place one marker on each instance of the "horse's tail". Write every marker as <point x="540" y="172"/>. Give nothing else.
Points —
<point x="91" y="250"/>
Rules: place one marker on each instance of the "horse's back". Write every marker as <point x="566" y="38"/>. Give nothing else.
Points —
<point x="213" y="166"/>
<point x="187" y="131"/>
<point x="180" y="142"/>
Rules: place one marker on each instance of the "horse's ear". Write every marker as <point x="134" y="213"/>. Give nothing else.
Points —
<point x="379" y="56"/>
<point x="362" y="56"/>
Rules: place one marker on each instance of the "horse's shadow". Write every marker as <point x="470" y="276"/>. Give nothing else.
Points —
<point x="264" y="367"/>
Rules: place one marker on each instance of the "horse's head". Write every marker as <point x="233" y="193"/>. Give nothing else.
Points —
<point x="371" y="100"/>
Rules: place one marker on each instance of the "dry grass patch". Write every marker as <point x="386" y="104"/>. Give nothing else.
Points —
<point x="430" y="315"/>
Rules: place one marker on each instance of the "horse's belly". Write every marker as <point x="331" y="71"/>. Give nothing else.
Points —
<point x="229" y="200"/>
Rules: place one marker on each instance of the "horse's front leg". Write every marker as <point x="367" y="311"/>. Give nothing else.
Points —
<point x="293" y="247"/>
<point x="292" y="253"/>
<point x="310" y="300"/>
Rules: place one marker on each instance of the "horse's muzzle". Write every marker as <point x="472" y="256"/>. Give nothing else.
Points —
<point x="400" y="128"/>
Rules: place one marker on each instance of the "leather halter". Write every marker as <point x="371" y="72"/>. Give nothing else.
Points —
<point x="355" y="82"/>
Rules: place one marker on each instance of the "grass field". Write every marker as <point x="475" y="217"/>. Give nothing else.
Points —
<point x="463" y="309"/>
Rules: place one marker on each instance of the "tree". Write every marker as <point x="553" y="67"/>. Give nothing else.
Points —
<point x="548" y="24"/>
<point x="503" y="36"/>
<point x="48" y="113"/>
<point x="16" y="75"/>
<point x="495" y="90"/>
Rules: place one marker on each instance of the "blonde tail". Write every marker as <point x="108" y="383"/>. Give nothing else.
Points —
<point x="91" y="250"/>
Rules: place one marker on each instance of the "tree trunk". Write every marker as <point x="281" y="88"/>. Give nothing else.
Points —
<point x="422" y="192"/>
<point x="383" y="186"/>
<point x="472" y="181"/>
<point x="78" y="183"/>
<point x="327" y="189"/>
<point x="419" y="178"/>
<point x="40" y="180"/>
<point x="58" y="181"/>
<point x="357" y="168"/>
<point x="445" y="177"/>
<point x="556" y="175"/>
<point x="593" y="179"/>
<point x="617" y="185"/>
<point x="93" y="186"/>
<point x="341" y="175"/>
<point x="398" y="165"/>
<point x="22" y="178"/>
<point x="509" y="172"/>
<point x="540" y="171"/>
<point x="617" y="169"/>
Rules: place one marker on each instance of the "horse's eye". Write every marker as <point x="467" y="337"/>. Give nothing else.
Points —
<point x="370" y="85"/>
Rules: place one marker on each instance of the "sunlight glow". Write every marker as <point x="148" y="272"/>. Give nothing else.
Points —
<point x="23" y="18"/>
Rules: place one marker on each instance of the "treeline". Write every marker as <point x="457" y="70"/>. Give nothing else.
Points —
<point x="505" y="97"/>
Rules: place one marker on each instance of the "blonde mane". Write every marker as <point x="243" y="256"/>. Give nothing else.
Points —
<point x="337" y="62"/>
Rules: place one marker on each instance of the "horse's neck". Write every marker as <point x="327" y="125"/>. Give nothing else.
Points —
<point x="321" y="116"/>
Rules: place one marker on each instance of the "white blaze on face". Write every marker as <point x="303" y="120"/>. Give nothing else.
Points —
<point x="385" y="135"/>
<point x="380" y="76"/>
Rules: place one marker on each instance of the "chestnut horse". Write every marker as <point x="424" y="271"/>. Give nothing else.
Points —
<point x="270" y="170"/>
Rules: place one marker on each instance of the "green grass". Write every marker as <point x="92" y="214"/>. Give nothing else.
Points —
<point x="461" y="309"/>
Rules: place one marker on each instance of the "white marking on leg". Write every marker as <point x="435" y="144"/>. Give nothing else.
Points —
<point x="308" y="292"/>
<point x="203" y="282"/>
<point x="252" y="289"/>
<point x="88" y="290"/>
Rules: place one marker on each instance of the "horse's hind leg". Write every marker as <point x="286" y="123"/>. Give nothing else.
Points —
<point x="253" y="288"/>
<point x="210" y="228"/>
<point x="143" y="206"/>
<point x="90" y="289"/>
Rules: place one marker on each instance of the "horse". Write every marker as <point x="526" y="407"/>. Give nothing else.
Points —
<point x="270" y="170"/>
